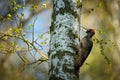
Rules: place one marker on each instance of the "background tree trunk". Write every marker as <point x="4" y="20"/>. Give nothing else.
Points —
<point x="62" y="43"/>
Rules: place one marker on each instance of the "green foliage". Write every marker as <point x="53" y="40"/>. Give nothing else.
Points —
<point x="9" y="16"/>
<point x="15" y="5"/>
<point x="34" y="7"/>
<point x="12" y="44"/>
<point x="103" y="42"/>
<point x="41" y="36"/>
<point x="100" y="4"/>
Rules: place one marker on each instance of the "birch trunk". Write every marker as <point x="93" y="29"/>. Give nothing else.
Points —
<point x="62" y="52"/>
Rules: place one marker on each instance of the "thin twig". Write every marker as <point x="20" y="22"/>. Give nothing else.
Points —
<point x="27" y="42"/>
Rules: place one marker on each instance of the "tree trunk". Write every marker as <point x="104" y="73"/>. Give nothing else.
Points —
<point x="62" y="44"/>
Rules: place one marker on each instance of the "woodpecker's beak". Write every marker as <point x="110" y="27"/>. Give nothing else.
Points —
<point x="85" y="30"/>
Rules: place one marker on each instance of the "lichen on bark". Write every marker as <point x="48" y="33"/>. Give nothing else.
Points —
<point x="61" y="53"/>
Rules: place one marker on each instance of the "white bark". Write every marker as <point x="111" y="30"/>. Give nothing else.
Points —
<point x="62" y="41"/>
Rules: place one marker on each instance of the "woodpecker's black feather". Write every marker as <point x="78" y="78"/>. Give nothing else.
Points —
<point x="85" y="47"/>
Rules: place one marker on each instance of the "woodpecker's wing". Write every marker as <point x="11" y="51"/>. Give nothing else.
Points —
<point x="86" y="46"/>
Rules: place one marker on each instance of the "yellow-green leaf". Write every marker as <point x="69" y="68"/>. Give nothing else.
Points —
<point x="5" y="37"/>
<point x="9" y="15"/>
<point x="41" y="37"/>
<point x="44" y="42"/>
<point x="12" y="44"/>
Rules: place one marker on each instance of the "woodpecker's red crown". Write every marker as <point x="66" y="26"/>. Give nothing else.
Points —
<point x="92" y="30"/>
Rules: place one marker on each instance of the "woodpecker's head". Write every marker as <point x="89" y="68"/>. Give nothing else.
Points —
<point x="90" y="32"/>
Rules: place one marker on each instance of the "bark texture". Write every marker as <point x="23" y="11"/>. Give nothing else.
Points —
<point x="62" y="52"/>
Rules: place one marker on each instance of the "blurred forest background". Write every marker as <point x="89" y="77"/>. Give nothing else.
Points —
<point x="24" y="32"/>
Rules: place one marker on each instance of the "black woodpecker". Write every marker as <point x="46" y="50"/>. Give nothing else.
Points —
<point x="84" y="48"/>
